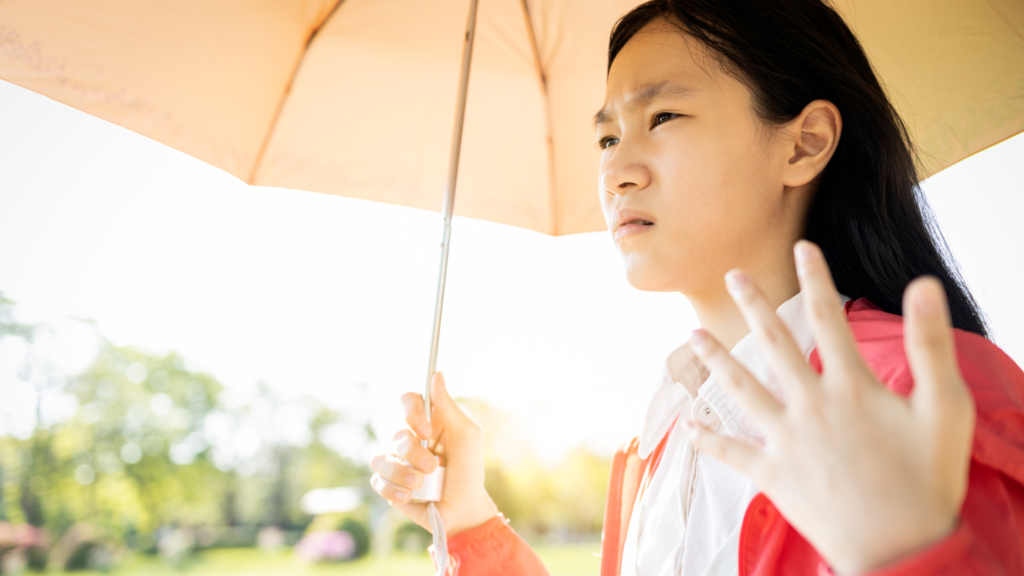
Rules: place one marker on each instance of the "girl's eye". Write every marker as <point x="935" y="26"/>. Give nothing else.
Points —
<point x="662" y="117"/>
<point x="607" y="141"/>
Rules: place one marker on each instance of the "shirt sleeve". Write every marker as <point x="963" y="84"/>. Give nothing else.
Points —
<point x="493" y="549"/>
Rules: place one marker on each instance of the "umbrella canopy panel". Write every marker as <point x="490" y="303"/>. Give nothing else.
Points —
<point x="358" y="98"/>
<point x="204" y="77"/>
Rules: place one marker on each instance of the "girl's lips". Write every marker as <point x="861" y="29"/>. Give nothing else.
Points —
<point x="631" y="229"/>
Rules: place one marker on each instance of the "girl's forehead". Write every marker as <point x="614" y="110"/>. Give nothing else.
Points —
<point x="636" y="80"/>
<point x="661" y="54"/>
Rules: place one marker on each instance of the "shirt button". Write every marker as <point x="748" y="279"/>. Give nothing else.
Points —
<point x="702" y="413"/>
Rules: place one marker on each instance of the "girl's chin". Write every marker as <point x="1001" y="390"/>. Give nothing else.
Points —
<point x="649" y="278"/>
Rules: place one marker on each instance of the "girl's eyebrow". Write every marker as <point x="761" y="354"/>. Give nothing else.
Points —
<point x="648" y="94"/>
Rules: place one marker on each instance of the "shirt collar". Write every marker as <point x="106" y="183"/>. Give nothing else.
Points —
<point x="684" y="381"/>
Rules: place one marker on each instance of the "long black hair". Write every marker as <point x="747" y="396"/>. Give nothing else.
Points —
<point x="868" y="215"/>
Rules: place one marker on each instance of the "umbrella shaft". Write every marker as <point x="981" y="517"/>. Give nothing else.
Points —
<point x="449" y="197"/>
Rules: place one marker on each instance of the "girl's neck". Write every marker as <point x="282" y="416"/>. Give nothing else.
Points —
<point x="719" y="314"/>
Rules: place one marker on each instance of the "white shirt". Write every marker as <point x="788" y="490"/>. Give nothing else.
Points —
<point x="687" y="521"/>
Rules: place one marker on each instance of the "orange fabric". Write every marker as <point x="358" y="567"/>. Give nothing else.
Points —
<point x="493" y="548"/>
<point x="630" y="476"/>
<point x="614" y="528"/>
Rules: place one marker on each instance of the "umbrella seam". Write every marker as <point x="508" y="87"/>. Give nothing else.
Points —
<point x="287" y="92"/>
<point x="1003" y="18"/>
<point x="549" y="138"/>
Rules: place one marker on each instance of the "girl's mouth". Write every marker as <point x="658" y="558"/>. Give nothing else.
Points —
<point x="632" y="227"/>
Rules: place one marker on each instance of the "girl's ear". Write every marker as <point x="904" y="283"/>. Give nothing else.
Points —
<point x="811" y="139"/>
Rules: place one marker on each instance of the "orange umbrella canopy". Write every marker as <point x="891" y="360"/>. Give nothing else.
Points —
<point x="357" y="98"/>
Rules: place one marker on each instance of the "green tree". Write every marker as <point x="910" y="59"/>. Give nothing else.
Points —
<point x="39" y="450"/>
<point x="536" y="497"/>
<point x="154" y="444"/>
<point x="136" y="448"/>
<point x="8" y="326"/>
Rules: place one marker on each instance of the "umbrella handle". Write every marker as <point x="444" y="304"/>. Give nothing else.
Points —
<point x="433" y="485"/>
<point x="449" y="197"/>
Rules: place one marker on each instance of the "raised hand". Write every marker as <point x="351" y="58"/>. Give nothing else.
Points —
<point x="453" y="436"/>
<point x="867" y="476"/>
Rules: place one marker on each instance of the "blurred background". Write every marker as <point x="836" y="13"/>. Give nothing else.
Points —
<point x="194" y="373"/>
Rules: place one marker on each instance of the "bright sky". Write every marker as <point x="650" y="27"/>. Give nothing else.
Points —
<point x="333" y="297"/>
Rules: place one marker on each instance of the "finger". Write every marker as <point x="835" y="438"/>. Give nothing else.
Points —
<point x="415" y="511"/>
<point x="390" y="491"/>
<point x="415" y="417"/>
<point x="930" y="347"/>
<point x="443" y="404"/>
<point x="743" y="457"/>
<point x="836" y="345"/>
<point x="394" y="470"/>
<point x="408" y="448"/>
<point x="784" y="358"/>
<point x="752" y="397"/>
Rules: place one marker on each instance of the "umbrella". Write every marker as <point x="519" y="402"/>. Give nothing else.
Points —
<point x="358" y="97"/>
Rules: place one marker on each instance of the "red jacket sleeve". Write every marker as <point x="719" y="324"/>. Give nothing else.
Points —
<point x="989" y="538"/>
<point x="492" y="549"/>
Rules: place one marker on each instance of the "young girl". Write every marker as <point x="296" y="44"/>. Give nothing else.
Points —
<point x="807" y="427"/>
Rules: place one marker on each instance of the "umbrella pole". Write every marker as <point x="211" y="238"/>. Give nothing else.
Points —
<point x="449" y="196"/>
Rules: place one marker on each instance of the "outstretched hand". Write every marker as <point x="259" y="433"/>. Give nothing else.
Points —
<point x="867" y="476"/>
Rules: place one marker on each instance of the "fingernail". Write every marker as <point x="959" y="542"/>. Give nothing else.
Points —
<point x="427" y="463"/>
<point x="412" y="480"/>
<point x="402" y="496"/>
<point x="736" y="280"/>
<point x="423" y="431"/>
<point x="926" y="304"/>
<point x="698" y="340"/>
<point x="802" y="253"/>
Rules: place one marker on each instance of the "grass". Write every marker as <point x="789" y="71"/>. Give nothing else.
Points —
<point x="565" y="560"/>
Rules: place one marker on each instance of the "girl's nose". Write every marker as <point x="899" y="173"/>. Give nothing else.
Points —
<point x="621" y="177"/>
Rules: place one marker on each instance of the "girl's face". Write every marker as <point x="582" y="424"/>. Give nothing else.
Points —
<point x="691" y="182"/>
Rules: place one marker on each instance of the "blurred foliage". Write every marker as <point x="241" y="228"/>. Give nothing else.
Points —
<point x="411" y="537"/>
<point x="359" y="533"/>
<point x="154" y="455"/>
<point x="354" y="522"/>
<point x="154" y="445"/>
<point x="564" y="500"/>
<point x="8" y="327"/>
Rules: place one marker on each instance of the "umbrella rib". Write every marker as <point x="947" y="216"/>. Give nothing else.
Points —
<point x="549" y="140"/>
<point x="1005" y="20"/>
<point x="272" y="127"/>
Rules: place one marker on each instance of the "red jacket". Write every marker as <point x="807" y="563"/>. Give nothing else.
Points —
<point x="988" y="540"/>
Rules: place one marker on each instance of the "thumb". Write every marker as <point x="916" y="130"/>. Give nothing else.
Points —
<point x="441" y="401"/>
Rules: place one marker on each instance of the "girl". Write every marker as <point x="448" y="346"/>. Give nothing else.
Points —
<point x="802" y="430"/>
